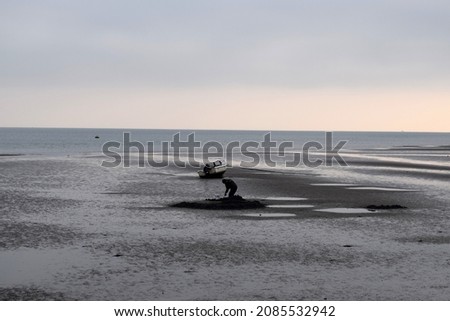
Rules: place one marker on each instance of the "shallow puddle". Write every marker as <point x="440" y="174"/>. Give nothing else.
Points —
<point x="281" y="198"/>
<point x="333" y="184"/>
<point x="25" y="266"/>
<point x="268" y="215"/>
<point x="290" y="206"/>
<point x="386" y="189"/>
<point x="345" y="210"/>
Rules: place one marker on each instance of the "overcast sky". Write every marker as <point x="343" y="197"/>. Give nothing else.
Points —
<point x="278" y="64"/>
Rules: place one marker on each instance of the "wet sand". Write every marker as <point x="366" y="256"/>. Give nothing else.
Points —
<point x="72" y="230"/>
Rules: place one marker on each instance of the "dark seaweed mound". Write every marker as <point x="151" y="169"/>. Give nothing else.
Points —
<point x="227" y="203"/>
<point x="385" y="207"/>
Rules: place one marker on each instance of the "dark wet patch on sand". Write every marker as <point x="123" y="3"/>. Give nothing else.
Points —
<point x="11" y="155"/>
<point x="14" y="235"/>
<point x="29" y="294"/>
<point x="118" y="193"/>
<point x="146" y="208"/>
<point x="187" y="252"/>
<point x="20" y="202"/>
<point x="426" y="239"/>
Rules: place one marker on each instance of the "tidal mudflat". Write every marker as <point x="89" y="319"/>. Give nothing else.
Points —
<point x="73" y="230"/>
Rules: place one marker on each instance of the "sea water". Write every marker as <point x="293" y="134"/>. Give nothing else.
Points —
<point x="63" y="141"/>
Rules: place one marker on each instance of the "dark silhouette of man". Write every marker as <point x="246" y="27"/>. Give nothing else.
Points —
<point x="230" y="186"/>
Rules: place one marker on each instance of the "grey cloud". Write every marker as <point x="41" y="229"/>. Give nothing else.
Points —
<point x="223" y="43"/>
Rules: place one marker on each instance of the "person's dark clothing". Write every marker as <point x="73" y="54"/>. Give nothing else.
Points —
<point x="230" y="186"/>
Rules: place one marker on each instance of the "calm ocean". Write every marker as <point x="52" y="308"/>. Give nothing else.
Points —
<point x="69" y="141"/>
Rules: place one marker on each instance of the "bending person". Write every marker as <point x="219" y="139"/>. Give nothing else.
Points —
<point x="230" y="186"/>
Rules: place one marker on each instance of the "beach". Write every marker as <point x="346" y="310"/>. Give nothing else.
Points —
<point x="247" y="158"/>
<point x="71" y="229"/>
